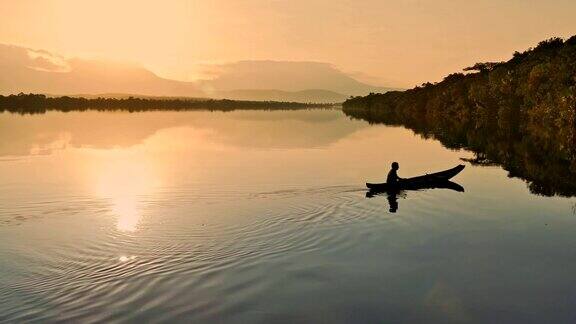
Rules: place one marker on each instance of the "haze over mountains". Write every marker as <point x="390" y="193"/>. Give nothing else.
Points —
<point x="37" y="71"/>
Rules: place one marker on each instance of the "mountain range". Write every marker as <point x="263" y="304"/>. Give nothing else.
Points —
<point x="37" y="71"/>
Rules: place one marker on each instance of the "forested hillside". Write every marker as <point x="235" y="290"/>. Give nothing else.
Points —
<point x="520" y="113"/>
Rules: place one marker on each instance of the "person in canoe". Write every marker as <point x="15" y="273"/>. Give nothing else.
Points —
<point x="393" y="177"/>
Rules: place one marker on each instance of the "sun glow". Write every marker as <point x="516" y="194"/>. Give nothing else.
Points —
<point x="124" y="181"/>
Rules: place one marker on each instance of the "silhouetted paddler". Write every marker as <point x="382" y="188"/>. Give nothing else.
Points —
<point x="393" y="175"/>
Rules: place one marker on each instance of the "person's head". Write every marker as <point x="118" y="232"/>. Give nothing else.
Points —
<point x="395" y="165"/>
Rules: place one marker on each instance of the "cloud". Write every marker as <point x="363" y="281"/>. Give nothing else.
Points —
<point x="48" y="62"/>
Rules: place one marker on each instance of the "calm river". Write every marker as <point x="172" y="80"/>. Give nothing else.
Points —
<point x="262" y="217"/>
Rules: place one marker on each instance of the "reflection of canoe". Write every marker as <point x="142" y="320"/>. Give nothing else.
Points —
<point x="438" y="185"/>
<point x="427" y="181"/>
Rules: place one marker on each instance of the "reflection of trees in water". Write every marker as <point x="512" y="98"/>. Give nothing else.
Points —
<point x="520" y="114"/>
<point x="43" y="134"/>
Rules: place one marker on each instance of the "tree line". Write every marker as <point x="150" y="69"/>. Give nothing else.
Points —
<point x="520" y="114"/>
<point x="39" y="103"/>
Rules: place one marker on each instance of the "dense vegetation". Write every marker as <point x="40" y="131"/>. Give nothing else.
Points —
<point x="38" y="103"/>
<point x="520" y="114"/>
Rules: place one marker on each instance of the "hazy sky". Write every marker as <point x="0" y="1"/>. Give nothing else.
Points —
<point x="393" y="43"/>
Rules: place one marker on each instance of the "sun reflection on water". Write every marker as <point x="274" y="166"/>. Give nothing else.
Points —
<point x="127" y="211"/>
<point x="124" y="258"/>
<point x="124" y="180"/>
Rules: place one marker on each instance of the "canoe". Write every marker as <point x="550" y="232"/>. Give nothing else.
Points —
<point x="421" y="182"/>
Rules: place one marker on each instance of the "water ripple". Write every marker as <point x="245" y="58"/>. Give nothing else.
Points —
<point x="184" y="246"/>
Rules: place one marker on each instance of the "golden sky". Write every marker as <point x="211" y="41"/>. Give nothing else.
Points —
<point x="383" y="42"/>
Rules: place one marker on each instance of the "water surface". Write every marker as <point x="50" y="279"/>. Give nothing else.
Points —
<point x="251" y="216"/>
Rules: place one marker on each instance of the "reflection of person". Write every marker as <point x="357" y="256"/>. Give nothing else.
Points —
<point x="393" y="201"/>
<point x="393" y="177"/>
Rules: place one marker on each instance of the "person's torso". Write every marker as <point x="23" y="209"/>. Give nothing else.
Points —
<point x="392" y="177"/>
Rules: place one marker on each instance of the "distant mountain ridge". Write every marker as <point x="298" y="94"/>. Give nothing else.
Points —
<point x="311" y="95"/>
<point x="304" y="96"/>
<point x="37" y="71"/>
<point x="287" y="76"/>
